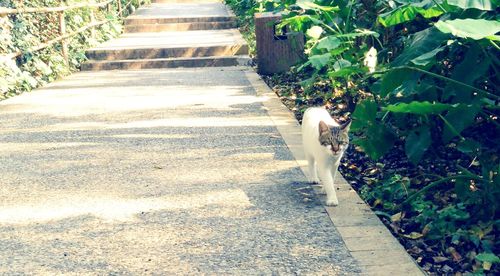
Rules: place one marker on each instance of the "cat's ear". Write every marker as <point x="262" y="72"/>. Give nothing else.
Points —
<point x="345" y="126"/>
<point x="323" y="127"/>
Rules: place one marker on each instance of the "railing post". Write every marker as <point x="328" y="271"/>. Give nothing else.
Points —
<point x="92" y="21"/>
<point x="62" y="31"/>
<point x="119" y="8"/>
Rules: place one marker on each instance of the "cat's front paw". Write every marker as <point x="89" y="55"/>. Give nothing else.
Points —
<point x="322" y="191"/>
<point x="332" y="202"/>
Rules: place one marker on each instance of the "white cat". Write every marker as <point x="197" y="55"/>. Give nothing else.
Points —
<point x="324" y="141"/>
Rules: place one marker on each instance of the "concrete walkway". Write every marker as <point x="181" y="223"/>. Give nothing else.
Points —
<point x="156" y="171"/>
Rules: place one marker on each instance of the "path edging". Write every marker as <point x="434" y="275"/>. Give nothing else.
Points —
<point x="365" y="236"/>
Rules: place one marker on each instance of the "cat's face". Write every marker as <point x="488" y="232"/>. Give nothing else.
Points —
<point x="334" y="138"/>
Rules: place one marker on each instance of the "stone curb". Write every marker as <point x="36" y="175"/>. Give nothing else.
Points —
<point x="365" y="236"/>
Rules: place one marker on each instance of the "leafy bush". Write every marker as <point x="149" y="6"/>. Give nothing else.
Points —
<point x="434" y="94"/>
<point x="21" y="32"/>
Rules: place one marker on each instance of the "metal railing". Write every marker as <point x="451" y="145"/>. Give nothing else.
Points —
<point x="63" y="34"/>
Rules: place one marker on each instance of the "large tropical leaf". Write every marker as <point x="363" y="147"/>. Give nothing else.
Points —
<point x="320" y="61"/>
<point x="470" y="28"/>
<point x="459" y="118"/>
<point x="407" y="13"/>
<point x="417" y="143"/>
<point x="419" y="108"/>
<point x="300" y="22"/>
<point x="421" y="43"/>
<point x="309" y="5"/>
<point x="394" y="80"/>
<point x="427" y="58"/>
<point x="329" y="43"/>
<point x="462" y="72"/>
<point x="378" y="140"/>
<point x="484" y="5"/>
<point x="364" y="115"/>
<point x="345" y="72"/>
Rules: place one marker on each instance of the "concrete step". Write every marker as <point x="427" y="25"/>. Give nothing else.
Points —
<point x="220" y="61"/>
<point x="172" y="20"/>
<point x="171" y="44"/>
<point x="180" y="13"/>
<point x="180" y="27"/>
<point x="177" y="52"/>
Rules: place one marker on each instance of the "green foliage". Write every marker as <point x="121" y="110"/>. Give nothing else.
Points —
<point x="488" y="257"/>
<point x="21" y="32"/>
<point x="408" y="12"/>
<point x="388" y="192"/>
<point x="474" y="4"/>
<point x="476" y="29"/>
<point x="436" y="86"/>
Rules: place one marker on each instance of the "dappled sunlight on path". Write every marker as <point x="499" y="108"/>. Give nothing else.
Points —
<point x="63" y="206"/>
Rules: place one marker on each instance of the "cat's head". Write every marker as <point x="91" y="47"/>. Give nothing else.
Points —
<point x="334" y="138"/>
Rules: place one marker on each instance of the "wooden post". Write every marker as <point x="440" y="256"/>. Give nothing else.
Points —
<point x="276" y="51"/>
<point x="119" y="8"/>
<point x="62" y="31"/>
<point x="92" y="21"/>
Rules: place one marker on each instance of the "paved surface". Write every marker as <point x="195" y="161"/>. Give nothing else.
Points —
<point x="156" y="171"/>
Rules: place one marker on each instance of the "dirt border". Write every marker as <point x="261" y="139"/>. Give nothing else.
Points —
<point x="365" y="236"/>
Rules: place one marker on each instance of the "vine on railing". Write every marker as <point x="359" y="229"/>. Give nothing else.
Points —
<point x="39" y="44"/>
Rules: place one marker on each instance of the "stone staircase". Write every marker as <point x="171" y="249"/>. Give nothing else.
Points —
<point x="173" y="33"/>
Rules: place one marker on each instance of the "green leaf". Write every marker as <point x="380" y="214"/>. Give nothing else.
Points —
<point x="407" y="13"/>
<point x="427" y="58"/>
<point x="469" y="28"/>
<point x="469" y="146"/>
<point x="484" y="5"/>
<point x="300" y="22"/>
<point x="460" y="117"/>
<point x="343" y="68"/>
<point x="358" y="33"/>
<point x="341" y="63"/>
<point x="488" y="257"/>
<point x="394" y="79"/>
<point x="329" y="43"/>
<point x="419" y="108"/>
<point x="378" y="140"/>
<point x="462" y="188"/>
<point x="493" y="37"/>
<point x="421" y="43"/>
<point x="417" y="143"/>
<point x="320" y="61"/>
<point x="308" y="5"/>
<point x="473" y="58"/>
<point x="364" y="114"/>
<point x="345" y="72"/>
